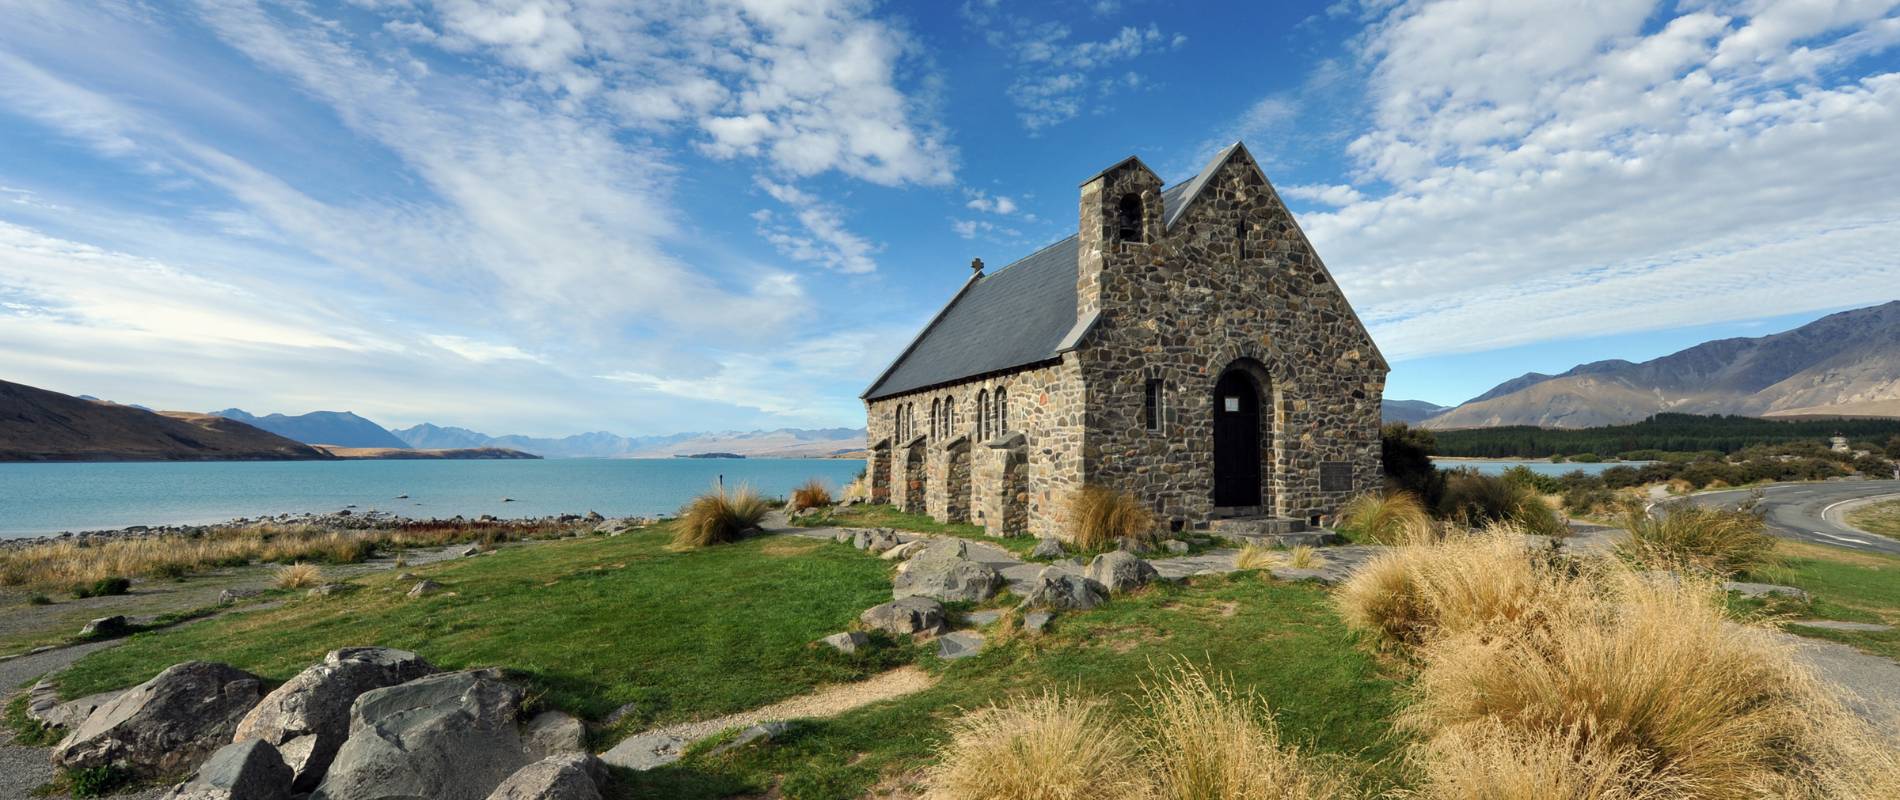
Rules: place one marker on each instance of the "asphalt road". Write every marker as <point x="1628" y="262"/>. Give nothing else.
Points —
<point x="1799" y="511"/>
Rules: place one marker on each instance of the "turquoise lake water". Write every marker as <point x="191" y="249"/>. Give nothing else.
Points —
<point x="49" y="498"/>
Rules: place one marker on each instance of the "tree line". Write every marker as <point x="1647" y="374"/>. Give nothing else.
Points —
<point x="1675" y="433"/>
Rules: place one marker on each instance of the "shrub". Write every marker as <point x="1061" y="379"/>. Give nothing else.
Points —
<point x="1045" y="747"/>
<point x="719" y="516"/>
<point x="103" y="587"/>
<point x="1406" y="454"/>
<point x="1464" y="583"/>
<point x="1206" y="741"/>
<point x="1646" y="672"/>
<point x="1690" y="536"/>
<point x="1102" y="517"/>
<point x="298" y="576"/>
<point x="1476" y="499"/>
<point x="1394" y="518"/>
<point x="813" y="494"/>
<point x="96" y="781"/>
<point x="37" y="599"/>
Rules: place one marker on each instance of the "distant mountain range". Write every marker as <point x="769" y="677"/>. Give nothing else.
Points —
<point x="784" y="442"/>
<point x="1410" y="411"/>
<point x="38" y="425"/>
<point x="339" y="428"/>
<point x="1845" y="364"/>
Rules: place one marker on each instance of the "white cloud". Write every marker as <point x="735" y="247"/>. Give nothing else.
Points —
<point x="1056" y="71"/>
<point x="479" y="351"/>
<point x="981" y="201"/>
<point x="1543" y="181"/>
<point x="825" y="239"/>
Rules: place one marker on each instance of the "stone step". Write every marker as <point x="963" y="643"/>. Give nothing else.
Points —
<point x="1306" y="538"/>
<point x="1258" y="524"/>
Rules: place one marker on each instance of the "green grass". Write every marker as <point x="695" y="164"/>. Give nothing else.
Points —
<point x="887" y="516"/>
<point x="1846" y="585"/>
<point x="26" y="730"/>
<point x="588" y="624"/>
<point x="1278" y="638"/>
<point x="1881" y="518"/>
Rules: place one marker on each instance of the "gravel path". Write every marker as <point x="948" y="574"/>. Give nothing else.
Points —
<point x="662" y="746"/>
<point x="23" y="768"/>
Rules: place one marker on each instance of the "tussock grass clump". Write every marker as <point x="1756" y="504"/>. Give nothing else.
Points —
<point x="813" y="494"/>
<point x="1477" y="500"/>
<point x="1205" y="740"/>
<point x="1714" y="540"/>
<point x="103" y="587"/>
<point x="719" y="516"/>
<point x="1390" y="519"/>
<point x="1044" y="747"/>
<point x="1253" y="556"/>
<point x="1102" y="517"/>
<point x="1492" y="761"/>
<point x="1464" y="583"/>
<point x="298" y="576"/>
<point x="1652" y="685"/>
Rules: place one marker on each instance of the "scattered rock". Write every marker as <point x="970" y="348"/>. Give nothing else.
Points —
<point x="553" y="733"/>
<point x="315" y="703"/>
<point x="982" y="618"/>
<point x="843" y="537"/>
<point x="44" y="706"/>
<point x="1071" y="563"/>
<point x="960" y="644"/>
<point x="1120" y="571"/>
<point x="331" y="590"/>
<point x="471" y="551"/>
<point x="570" y="776"/>
<point x="594" y="516"/>
<point x="1060" y="589"/>
<point x="762" y="732"/>
<point x="615" y="716"/>
<point x="408" y="576"/>
<point x="1175" y="546"/>
<point x="451" y="735"/>
<point x="231" y="596"/>
<point x="906" y="617"/>
<point x="1764" y="589"/>
<point x="1037" y="621"/>
<point x="847" y="642"/>
<point x="104" y="627"/>
<point x="424" y="588"/>
<point x="942" y="571"/>
<point x="1298" y="574"/>
<point x="1133" y="545"/>
<point x="874" y="540"/>
<point x="249" y="770"/>
<point x="165" y="726"/>
<point x="1048" y="547"/>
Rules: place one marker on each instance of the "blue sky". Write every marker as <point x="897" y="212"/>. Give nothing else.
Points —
<point x="549" y="216"/>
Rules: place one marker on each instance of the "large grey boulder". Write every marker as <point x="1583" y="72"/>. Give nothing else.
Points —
<point x="1059" y="589"/>
<point x="316" y="705"/>
<point x="447" y="737"/>
<point x="104" y="627"/>
<point x="906" y="617"/>
<point x="574" y="776"/>
<point x="1120" y="571"/>
<point x="943" y="571"/>
<point x="44" y="706"/>
<point x="553" y="733"/>
<point x="165" y="726"/>
<point x="247" y="770"/>
<point x="874" y="540"/>
<point x="1048" y="547"/>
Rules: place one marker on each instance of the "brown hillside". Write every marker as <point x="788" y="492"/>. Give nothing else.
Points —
<point x="38" y="425"/>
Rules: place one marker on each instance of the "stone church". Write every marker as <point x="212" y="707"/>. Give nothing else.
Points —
<point x="1186" y="346"/>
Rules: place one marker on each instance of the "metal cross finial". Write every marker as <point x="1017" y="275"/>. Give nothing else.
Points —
<point x="976" y="265"/>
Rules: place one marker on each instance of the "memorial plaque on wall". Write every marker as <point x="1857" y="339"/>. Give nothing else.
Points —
<point x="1335" y="476"/>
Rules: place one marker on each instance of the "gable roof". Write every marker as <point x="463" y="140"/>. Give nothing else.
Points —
<point x="1017" y="316"/>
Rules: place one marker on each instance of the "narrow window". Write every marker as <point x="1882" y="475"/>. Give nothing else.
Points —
<point x="1002" y="411"/>
<point x="983" y="415"/>
<point x="949" y="416"/>
<point x="1152" y="406"/>
<point x="1240" y="236"/>
<point x="1128" y="217"/>
<point x="936" y="414"/>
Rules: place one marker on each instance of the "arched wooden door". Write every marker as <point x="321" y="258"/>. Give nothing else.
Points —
<point x="1236" y="441"/>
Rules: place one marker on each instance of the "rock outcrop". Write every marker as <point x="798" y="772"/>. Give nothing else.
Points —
<point x="309" y="716"/>
<point x="165" y="726"/>
<point x="944" y="572"/>
<point x="247" y="770"/>
<point x="906" y="617"/>
<point x="450" y="737"/>
<point x="1120" y="571"/>
<point x="573" y="776"/>
<point x="1060" y="589"/>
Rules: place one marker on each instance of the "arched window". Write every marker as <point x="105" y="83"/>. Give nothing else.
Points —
<point x="936" y="414"/>
<point x="1002" y="411"/>
<point x="949" y="416"/>
<point x="983" y="415"/>
<point x="1128" y="217"/>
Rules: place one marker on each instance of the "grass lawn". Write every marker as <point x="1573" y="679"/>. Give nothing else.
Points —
<point x="589" y="625"/>
<point x="1279" y="639"/>
<point x="594" y="623"/>
<point x="1881" y="518"/>
<point x="1847" y="585"/>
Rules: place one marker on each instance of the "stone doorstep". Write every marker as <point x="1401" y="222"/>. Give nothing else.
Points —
<point x="1282" y="540"/>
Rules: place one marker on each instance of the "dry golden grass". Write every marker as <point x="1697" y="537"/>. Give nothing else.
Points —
<point x="297" y="576"/>
<point x="1045" y="747"/>
<point x="58" y="565"/>
<point x="1204" y="740"/>
<point x="1634" y="688"/>
<point x="1103" y="516"/>
<point x="1463" y="583"/>
<point x="813" y="494"/>
<point x="1253" y="556"/>
<point x="1688" y="536"/>
<point x="719" y="516"/>
<point x="1393" y="519"/>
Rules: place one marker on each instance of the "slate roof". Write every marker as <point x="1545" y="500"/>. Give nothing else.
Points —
<point x="1017" y="316"/>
